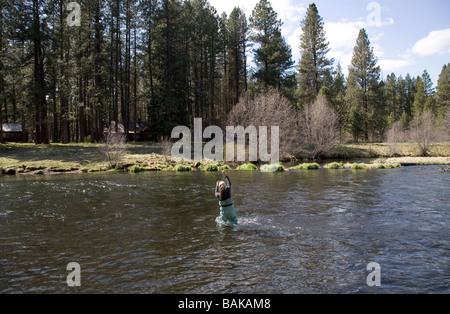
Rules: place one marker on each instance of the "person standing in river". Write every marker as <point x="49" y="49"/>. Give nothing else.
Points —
<point x="227" y="211"/>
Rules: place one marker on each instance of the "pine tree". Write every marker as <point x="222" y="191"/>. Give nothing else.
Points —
<point x="392" y="99"/>
<point x="2" y="69"/>
<point x="420" y="97"/>
<point x="39" y="83"/>
<point x="443" y="90"/>
<point x="363" y="90"/>
<point x="314" y="68"/>
<point x="62" y="81"/>
<point x="148" y="9"/>
<point x="410" y="83"/>
<point x="337" y="97"/>
<point x="169" y="70"/>
<point x="273" y="56"/>
<point x="237" y="58"/>
<point x="402" y="96"/>
<point x="430" y="102"/>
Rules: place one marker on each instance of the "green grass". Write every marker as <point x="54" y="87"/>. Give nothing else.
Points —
<point x="25" y="158"/>
<point x="224" y="168"/>
<point x="210" y="167"/>
<point x="272" y="167"/>
<point x="136" y="169"/>
<point x="181" y="168"/>
<point x="247" y="167"/>
<point x="358" y="166"/>
<point x="334" y="165"/>
<point x="306" y="166"/>
<point x="386" y="165"/>
<point x="214" y="167"/>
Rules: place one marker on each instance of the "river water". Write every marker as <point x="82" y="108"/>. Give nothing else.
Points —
<point x="299" y="232"/>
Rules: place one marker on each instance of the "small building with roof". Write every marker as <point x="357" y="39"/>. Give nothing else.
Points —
<point x="14" y="132"/>
<point x="142" y="130"/>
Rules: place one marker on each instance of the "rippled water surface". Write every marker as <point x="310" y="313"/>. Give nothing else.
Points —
<point x="299" y="232"/>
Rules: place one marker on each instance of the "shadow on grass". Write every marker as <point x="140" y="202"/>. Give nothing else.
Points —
<point x="74" y="153"/>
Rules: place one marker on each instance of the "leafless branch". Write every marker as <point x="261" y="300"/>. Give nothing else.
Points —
<point x="114" y="147"/>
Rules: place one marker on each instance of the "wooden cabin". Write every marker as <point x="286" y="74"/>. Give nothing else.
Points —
<point x="13" y="132"/>
<point x="142" y="130"/>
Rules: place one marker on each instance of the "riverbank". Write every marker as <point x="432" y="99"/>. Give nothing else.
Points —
<point x="56" y="158"/>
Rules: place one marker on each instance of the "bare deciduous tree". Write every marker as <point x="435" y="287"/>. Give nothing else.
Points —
<point x="114" y="147"/>
<point x="395" y="135"/>
<point x="423" y="131"/>
<point x="320" y="126"/>
<point x="166" y="145"/>
<point x="269" y="109"/>
<point x="444" y="127"/>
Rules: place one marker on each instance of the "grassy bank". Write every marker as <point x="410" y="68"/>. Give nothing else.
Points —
<point x="381" y="150"/>
<point x="57" y="158"/>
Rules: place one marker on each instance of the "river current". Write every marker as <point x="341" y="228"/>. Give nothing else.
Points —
<point x="299" y="232"/>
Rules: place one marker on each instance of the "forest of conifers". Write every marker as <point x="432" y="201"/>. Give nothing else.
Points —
<point x="168" y="61"/>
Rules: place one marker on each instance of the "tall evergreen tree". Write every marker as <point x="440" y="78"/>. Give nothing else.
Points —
<point x="391" y="95"/>
<point x="363" y="90"/>
<point x="420" y="97"/>
<point x="272" y="55"/>
<point x="2" y="79"/>
<point x="443" y="90"/>
<point x="430" y="102"/>
<point x="39" y="83"/>
<point x="402" y="100"/>
<point x="237" y="58"/>
<point x="314" y="68"/>
<point x="337" y="97"/>
<point x="148" y="9"/>
<point x="410" y="83"/>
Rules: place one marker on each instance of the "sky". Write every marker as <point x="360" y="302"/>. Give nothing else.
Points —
<point x="406" y="36"/>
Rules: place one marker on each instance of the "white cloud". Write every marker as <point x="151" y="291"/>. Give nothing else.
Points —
<point x="291" y="14"/>
<point x="393" y="65"/>
<point x="342" y="35"/>
<point x="436" y="43"/>
<point x="342" y="38"/>
<point x="293" y="40"/>
<point x="228" y="6"/>
<point x="287" y="10"/>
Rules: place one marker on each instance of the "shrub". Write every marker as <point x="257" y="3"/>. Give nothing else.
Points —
<point x="136" y="169"/>
<point x="247" y="167"/>
<point x="423" y="131"/>
<point x="358" y="166"/>
<point x="211" y="168"/>
<point x="306" y="166"/>
<point x="394" y="165"/>
<point x="395" y="135"/>
<point x="272" y="168"/>
<point x="182" y="168"/>
<point x="270" y="108"/>
<point x="165" y="167"/>
<point x="320" y="124"/>
<point x="114" y="147"/>
<point x="224" y="167"/>
<point x="334" y="165"/>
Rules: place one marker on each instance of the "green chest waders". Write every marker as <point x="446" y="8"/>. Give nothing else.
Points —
<point x="227" y="212"/>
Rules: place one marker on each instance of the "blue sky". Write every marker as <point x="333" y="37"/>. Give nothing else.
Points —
<point x="407" y="36"/>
